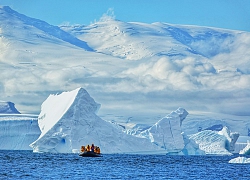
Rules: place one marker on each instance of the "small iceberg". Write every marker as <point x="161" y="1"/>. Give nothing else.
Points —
<point x="246" y="150"/>
<point x="240" y="160"/>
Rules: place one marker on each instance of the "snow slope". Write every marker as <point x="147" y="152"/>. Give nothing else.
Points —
<point x="134" y="40"/>
<point x="137" y="71"/>
<point x="10" y="16"/>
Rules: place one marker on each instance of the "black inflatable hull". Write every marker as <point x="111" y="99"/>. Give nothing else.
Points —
<point x="90" y="154"/>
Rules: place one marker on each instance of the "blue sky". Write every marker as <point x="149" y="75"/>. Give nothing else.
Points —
<point x="229" y="14"/>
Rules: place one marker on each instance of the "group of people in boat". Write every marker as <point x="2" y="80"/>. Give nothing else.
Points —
<point x="92" y="148"/>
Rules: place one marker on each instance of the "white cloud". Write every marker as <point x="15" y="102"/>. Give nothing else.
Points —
<point x="109" y="15"/>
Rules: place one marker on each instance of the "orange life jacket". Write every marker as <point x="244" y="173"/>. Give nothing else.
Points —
<point x="82" y="148"/>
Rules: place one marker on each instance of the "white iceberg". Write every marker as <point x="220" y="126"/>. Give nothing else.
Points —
<point x="240" y="160"/>
<point x="214" y="143"/>
<point x="191" y="147"/>
<point x="231" y="137"/>
<point x="166" y="133"/>
<point x="17" y="131"/>
<point x="68" y="121"/>
<point x="246" y="150"/>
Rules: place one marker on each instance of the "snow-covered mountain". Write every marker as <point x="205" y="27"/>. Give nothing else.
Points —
<point x="136" y="41"/>
<point x="137" y="71"/>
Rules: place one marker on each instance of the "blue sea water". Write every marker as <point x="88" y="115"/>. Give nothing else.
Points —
<point x="29" y="165"/>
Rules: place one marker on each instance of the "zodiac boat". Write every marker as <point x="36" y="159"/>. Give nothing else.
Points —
<point x="93" y="151"/>
<point x="89" y="154"/>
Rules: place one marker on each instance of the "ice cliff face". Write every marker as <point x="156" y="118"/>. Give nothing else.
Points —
<point x="17" y="131"/>
<point x="166" y="133"/>
<point x="231" y="138"/>
<point x="246" y="150"/>
<point x="68" y="121"/>
<point x="191" y="147"/>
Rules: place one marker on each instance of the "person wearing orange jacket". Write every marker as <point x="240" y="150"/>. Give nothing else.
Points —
<point x="88" y="148"/>
<point x="82" y="148"/>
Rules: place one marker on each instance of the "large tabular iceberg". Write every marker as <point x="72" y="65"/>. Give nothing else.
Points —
<point x="17" y="131"/>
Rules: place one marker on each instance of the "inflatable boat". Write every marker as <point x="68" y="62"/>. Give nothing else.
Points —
<point x="89" y="154"/>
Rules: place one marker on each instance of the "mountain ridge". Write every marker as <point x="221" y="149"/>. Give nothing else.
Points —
<point x="54" y="31"/>
<point x="113" y="28"/>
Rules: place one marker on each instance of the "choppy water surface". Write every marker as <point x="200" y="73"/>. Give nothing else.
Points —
<point x="28" y="165"/>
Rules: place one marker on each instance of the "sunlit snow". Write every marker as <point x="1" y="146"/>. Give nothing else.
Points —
<point x="133" y="66"/>
<point x="139" y="73"/>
